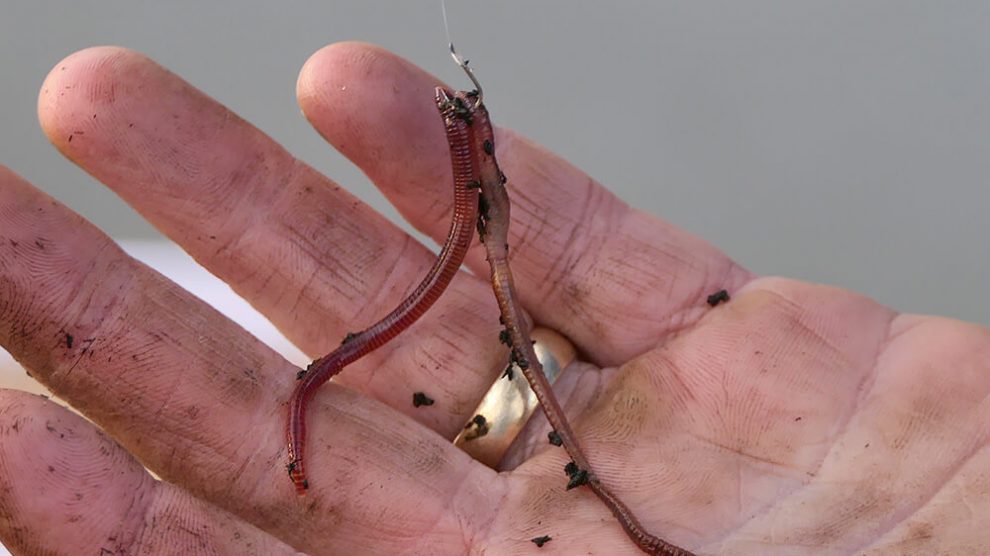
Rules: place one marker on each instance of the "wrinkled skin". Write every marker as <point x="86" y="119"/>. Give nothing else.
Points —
<point x="795" y="419"/>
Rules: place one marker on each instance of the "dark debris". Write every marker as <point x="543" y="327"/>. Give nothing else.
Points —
<point x="721" y="296"/>
<point x="540" y="541"/>
<point x="421" y="399"/>
<point x="578" y="476"/>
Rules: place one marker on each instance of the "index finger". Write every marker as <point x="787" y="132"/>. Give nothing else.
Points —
<point x="612" y="278"/>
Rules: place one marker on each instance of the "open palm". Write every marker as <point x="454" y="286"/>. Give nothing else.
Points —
<point x="796" y="419"/>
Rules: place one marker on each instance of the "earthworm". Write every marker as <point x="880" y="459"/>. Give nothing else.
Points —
<point x="457" y="110"/>
<point x="493" y="227"/>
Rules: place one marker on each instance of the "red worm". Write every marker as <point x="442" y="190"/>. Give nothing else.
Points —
<point x="457" y="110"/>
<point x="493" y="227"/>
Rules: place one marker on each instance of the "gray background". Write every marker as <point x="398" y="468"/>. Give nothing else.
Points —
<point x="838" y="142"/>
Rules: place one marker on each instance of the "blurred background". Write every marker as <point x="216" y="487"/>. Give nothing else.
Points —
<point x="840" y="142"/>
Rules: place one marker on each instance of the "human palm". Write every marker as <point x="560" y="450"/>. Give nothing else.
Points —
<point x="794" y="419"/>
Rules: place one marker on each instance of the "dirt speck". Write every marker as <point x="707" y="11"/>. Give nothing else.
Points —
<point x="540" y="541"/>
<point x="721" y="296"/>
<point x="420" y="399"/>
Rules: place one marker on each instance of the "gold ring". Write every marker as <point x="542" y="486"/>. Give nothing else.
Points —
<point x="510" y="402"/>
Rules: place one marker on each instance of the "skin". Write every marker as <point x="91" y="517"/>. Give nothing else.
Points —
<point x="794" y="419"/>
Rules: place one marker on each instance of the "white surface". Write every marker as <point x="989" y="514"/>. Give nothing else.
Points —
<point x="171" y="261"/>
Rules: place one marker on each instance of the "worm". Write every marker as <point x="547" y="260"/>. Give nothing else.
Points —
<point x="480" y="200"/>
<point x="457" y="110"/>
<point x="493" y="228"/>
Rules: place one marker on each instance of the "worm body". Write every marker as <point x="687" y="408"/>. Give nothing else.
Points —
<point x="457" y="110"/>
<point x="493" y="227"/>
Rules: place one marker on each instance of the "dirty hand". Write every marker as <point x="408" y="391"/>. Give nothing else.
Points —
<point x="794" y="419"/>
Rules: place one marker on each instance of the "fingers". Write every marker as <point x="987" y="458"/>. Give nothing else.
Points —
<point x="202" y="403"/>
<point x="215" y="184"/>
<point x="310" y="256"/>
<point x="610" y="277"/>
<point x="66" y="487"/>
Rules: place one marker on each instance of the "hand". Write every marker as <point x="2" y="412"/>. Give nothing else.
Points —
<point x="794" y="419"/>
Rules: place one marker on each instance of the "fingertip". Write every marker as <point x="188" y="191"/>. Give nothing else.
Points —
<point x="328" y="69"/>
<point x="79" y="81"/>
<point x="370" y="104"/>
<point x="353" y="67"/>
